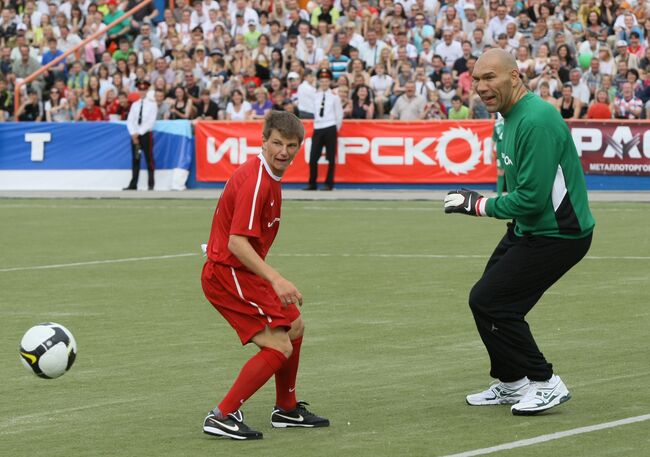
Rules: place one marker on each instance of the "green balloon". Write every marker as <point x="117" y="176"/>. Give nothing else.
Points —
<point x="585" y="60"/>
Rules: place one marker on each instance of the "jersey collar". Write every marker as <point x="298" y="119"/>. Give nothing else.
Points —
<point x="268" y="168"/>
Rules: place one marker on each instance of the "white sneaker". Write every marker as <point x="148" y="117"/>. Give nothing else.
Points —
<point x="500" y="393"/>
<point x="542" y="395"/>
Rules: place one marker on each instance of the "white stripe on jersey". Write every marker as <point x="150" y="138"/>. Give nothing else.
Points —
<point x="257" y="189"/>
<point x="241" y="295"/>
<point x="559" y="189"/>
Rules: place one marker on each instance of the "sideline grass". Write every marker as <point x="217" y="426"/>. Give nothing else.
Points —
<point x="390" y="349"/>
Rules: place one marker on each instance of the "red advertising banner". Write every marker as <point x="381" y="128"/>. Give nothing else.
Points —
<point x="613" y="148"/>
<point x="368" y="151"/>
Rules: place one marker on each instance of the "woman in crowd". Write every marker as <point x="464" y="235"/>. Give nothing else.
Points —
<point x="541" y="59"/>
<point x="262" y="104"/>
<point x="363" y="106"/>
<point x="56" y="108"/>
<point x="238" y="109"/>
<point x="600" y="107"/>
<point x="182" y="107"/>
<point x="382" y="86"/>
<point x="92" y="89"/>
<point x="567" y="62"/>
<point x="344" y="94"/>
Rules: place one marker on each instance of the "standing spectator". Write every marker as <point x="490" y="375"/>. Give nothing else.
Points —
<point x="25" y="65"/>
<point x="140" y="122"/>
<point x="408" y="107"/>
<point x="338" y="62"/>
<point x="328" y="118"/>
<point x="30" y="110"/>
<point x="447" y="89"/>
<point x="627" y="106"/>
<point x="305" y="96"/>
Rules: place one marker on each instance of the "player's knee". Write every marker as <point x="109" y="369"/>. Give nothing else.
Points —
<point x="297" y="329"/>
<point x="477" y="300"/>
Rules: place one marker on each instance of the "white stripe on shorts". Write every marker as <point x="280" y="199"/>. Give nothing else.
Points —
<point x="241" y="295"/>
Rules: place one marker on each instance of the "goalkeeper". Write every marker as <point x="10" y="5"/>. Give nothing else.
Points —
<point x="551" y="232"/>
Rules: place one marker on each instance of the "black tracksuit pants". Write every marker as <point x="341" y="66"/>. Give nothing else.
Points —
<point x="517" y="274"/>
<point x="323" y="137"/>
<point x="146" y="146"/>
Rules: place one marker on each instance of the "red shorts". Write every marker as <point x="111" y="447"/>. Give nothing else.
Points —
<point x="245" y="300"/>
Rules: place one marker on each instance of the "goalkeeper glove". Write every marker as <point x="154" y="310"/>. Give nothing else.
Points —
<point x="465" y="201"/>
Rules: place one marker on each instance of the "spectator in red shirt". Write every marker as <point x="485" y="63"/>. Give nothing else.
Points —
<point x="91" y="112"/>
<point x="600" y="107"/>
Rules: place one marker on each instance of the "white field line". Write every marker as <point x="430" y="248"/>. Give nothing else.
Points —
<point x="95" y="262"/>
<point x="388" y="256"/>
<point x="551" y="437"/>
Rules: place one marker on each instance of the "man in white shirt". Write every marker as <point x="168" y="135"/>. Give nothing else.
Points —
<point x="578" y="88"/>
<point x="306" y="95"/>
<point x="310" y="55"/>
<point x="328" y="118"/>
<point x="248" y="13"/>
<point x="449" y="49"/>
<point x="402" y="41"/>
<point x="409" y="106"/>
<point x="498" y="23"/>
<point x="370" y="50"/>
<point x="140" y="122"/>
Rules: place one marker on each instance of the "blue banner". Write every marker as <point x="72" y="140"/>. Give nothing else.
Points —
<point x="89" y="145"/>
<point x="51" y="155"/>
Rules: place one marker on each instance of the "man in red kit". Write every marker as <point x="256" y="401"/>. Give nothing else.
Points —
<point x="251" y="295"/>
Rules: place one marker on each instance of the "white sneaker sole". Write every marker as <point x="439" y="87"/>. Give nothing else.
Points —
<point x="218" y="432"/>
<point x="287" y="425"/>
<point x="495" y="402"/>
<point x="535" y="410"/>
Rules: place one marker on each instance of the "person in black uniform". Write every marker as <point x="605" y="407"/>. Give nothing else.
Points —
<point x="328" y="118"/>
<point x="140" y="122"/>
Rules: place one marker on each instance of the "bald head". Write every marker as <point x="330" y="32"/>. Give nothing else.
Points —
<point x="498" y="58"/>
<point x="496" y="80"/>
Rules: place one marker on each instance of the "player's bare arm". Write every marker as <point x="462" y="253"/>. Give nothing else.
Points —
<point x="242" y="249"/>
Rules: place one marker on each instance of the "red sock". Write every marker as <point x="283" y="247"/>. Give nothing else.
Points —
<point x="285" y="379"/>
<point x="252" y="376"/>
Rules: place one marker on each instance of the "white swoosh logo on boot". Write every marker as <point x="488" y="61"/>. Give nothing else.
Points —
<point x="294" y="419"/>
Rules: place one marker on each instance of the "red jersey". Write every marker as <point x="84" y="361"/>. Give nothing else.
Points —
<point x="95" y="114"/>
<point x="249" y="206"/>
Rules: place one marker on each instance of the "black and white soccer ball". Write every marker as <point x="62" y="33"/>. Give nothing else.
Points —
<point x="48" y="350"/>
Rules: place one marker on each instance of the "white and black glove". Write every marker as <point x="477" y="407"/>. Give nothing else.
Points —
<point x="465" y="201"/>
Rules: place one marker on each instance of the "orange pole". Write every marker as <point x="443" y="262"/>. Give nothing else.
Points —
<point x="87" y="40"/>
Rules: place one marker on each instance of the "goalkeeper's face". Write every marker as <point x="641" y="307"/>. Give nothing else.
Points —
<point x="495" y="80"/>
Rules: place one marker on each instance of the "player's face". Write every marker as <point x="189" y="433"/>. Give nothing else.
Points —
<point x="494" y="85"/>
<point x="279" y="151"/>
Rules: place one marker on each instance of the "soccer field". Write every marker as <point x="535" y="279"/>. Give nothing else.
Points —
<point x="390" y="347"/>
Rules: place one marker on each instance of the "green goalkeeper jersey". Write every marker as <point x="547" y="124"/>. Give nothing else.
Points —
<point x="547" y="194"/>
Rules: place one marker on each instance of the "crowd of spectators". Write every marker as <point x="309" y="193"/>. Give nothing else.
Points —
<point x="237" y="59"/>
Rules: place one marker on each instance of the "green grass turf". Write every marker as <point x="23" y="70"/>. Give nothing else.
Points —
<point x="390" y="348"/>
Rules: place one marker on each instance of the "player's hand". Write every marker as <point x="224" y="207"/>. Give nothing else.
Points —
<point x="287" y="292"/>
<point x="465" y="201"/>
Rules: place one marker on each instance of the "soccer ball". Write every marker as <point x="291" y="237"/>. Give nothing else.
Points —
<point x="48" y="350"/>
